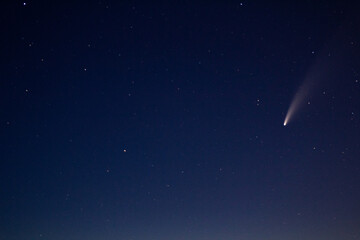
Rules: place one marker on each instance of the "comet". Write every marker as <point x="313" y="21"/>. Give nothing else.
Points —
<point x="326" y="65"/>
<point x="299" y="99"/>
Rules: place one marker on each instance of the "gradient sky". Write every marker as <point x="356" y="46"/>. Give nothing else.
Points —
<point x="164" y="121"/>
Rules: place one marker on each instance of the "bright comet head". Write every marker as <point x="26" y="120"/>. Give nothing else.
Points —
<point x="286" y="121"/>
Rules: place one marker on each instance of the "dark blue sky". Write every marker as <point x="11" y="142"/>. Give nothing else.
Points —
<point x="131" y="120"/>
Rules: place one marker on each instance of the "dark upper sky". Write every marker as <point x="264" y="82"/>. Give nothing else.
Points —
<point x="164" y="121"/>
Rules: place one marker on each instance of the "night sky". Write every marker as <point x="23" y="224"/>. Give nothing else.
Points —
<point x="130" y="120"/>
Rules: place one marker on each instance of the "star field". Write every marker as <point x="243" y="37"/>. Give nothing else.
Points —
<point x="139" y="120"/>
